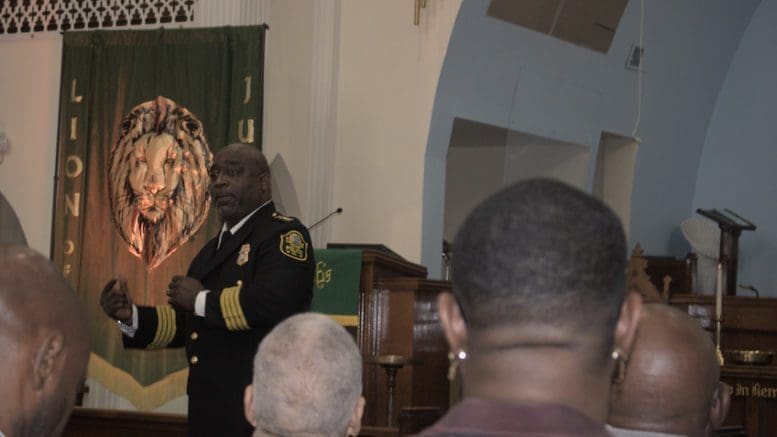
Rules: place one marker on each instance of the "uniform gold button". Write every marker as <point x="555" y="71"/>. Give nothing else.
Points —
<point x="194" y="360"/>
<point x="194" y="335"/>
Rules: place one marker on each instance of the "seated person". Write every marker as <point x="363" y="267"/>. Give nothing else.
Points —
<point x="539" y="315"/>
<point x="44" y="338"/>
<point x="672" y="381"/>
<point x="307" y="380"/>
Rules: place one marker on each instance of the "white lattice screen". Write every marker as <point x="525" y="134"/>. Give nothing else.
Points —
<point x="31" y="16"/>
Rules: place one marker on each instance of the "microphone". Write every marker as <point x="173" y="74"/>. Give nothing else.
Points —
<point x="326" y="217"/>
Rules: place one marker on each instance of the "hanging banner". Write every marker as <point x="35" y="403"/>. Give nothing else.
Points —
<point x="141" y="113"/>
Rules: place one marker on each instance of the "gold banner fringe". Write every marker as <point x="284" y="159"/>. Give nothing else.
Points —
<point x="123" y="384"/>
<point x="344" y="320"/>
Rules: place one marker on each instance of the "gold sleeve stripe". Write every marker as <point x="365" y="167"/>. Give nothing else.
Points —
<point x="165" y="328"/>
<point x="233" y="314"/>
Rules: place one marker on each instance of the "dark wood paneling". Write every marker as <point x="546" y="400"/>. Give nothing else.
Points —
<point x="405" y="322"/>
<point x="91" y="422"/>
<point x="749" y="323"/>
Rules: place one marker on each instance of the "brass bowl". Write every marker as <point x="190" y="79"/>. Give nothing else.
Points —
<point x="749" y="357"/>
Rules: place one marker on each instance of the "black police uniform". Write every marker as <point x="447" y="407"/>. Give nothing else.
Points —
<point x="258" y="277"/>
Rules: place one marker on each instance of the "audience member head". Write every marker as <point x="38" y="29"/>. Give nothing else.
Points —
<point x="240" y="181"/>
<point x="45" y="342"/>
<point x="540" y="308"/>
<point x="307" y="380"/>
<point x="672" y="380"/>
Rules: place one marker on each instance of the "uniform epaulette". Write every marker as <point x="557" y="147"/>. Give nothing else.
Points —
<point x="282" y="218"/>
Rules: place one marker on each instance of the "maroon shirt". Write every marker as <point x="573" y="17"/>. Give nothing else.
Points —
<point x="479" y="417"/>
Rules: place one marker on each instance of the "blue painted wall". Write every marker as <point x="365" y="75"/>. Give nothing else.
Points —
<point x="738" y="167"/>
<point x="508" y="76"/>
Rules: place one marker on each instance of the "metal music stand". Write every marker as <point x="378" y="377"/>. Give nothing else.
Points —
<point x="731" y="226"/>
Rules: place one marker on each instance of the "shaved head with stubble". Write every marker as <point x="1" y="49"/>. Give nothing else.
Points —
<point x="672" y="382"/>
<point x="45" y="341"/>
<point x="307" y="380"/>
<point x="539" y="304"/>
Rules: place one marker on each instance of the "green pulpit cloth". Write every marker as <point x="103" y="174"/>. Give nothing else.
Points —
<point x="336" y="288"/>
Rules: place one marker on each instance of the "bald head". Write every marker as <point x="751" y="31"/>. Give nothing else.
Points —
<point x="239" y="181"/>
<point x="307" y="380"/>
<point x="251" y="154"/>
<point x="672" y="376"/>
<point x="44" y="329"/>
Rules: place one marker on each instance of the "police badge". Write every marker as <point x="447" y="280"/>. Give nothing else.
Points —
<point x="242" y="256"/>
<point x="294" y="246"/>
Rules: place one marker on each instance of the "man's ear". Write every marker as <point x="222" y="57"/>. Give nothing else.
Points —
<point x="628" y="320"/>
<point x="248" y="405"/>
<point x="47" y="359"/>
<point x="355" y="426"/>
<point x="720" y="405"/>
<point x="453" y="324"/>
<point x="265" y="182"/>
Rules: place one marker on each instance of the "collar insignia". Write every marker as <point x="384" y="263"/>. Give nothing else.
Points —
<point x="281" y="218"/>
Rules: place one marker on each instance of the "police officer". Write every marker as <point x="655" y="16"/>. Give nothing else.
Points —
<point x="257" y="272"/>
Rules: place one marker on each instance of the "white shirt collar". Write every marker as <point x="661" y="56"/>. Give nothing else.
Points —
<point x="233" y="230"/>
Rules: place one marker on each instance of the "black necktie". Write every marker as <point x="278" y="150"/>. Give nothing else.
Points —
<point x="225" y="236"/>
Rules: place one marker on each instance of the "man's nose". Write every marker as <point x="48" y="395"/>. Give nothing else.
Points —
<point x="218" y="181"/>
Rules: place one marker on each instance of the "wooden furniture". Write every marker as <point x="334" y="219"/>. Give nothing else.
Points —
<point x="749" y="323"/>
<point x="680" y="272"/>
<point x="92" y="422"/>
<point x="404" y="311"/>
<point x="658" y="277"/>
<point x="413" y="420"/>
<point x="398" y="316"/>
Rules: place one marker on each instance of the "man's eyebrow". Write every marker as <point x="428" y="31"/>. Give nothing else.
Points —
<point x="230" y="162"/>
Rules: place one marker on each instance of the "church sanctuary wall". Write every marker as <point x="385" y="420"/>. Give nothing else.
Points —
<point x="29" y="98"/>
<point x="508" y="76"/>
<point x="737" y="167"/>
<point x="388" y="74"/>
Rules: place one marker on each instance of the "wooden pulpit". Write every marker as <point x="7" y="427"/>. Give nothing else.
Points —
<point x="398" y="316"/>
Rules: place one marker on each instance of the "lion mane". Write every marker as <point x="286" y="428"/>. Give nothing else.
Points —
<point x="158" y="179"/>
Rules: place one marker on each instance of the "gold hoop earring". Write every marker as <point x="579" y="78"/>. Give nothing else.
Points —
<point x="619" y="375"/>
<point x="455" y="360"/>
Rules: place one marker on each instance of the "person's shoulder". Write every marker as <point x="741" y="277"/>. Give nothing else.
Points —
<point x="283" y="223"/>
<point x="295" y="241"/>
<point x="288" y="228"/>
<point x="285" y="219"/>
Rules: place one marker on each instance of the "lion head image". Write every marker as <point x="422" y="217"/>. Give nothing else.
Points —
<point x="158" y="179"/>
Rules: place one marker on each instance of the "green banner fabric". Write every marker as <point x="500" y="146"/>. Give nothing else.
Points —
<point x="336" y="292"/>
<point x="202" y="86"/>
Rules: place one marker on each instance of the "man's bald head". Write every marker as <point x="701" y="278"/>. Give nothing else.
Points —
<point x="307" y="380"/>
<point x="672" y="377"/>
<point x="239" y="181"/>
<point x="44" y="331"/>
<point x="251" y="154"/>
